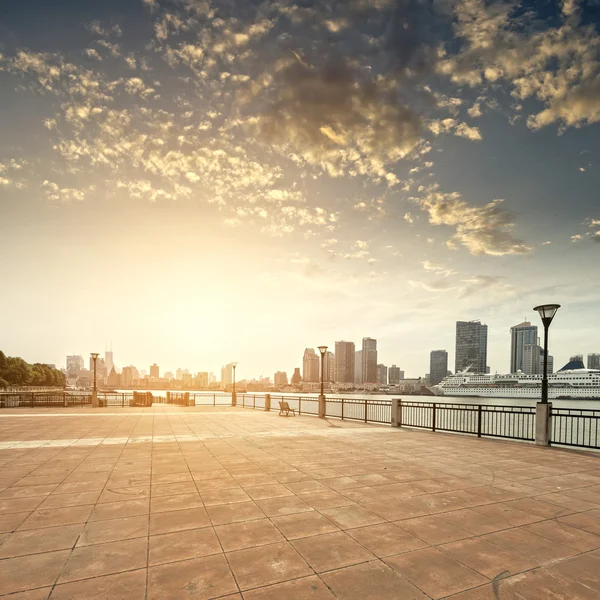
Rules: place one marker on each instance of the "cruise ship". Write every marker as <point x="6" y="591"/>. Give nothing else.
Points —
<point x="565" y="384"/>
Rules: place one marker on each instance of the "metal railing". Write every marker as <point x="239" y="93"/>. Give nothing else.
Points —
<point x="127" y="399"/>
<point x="43" y="399"/>
<point x="511" y="422"/>
<point x="575" y="427"/>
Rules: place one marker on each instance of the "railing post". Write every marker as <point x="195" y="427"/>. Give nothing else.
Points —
<point x="267" y="402"/>
<point x="214" y="399"/>
<point x="479" y="413"/>
<point x="366" y="409"/>
<point x="433" y="416"/>
<point x="342" y="409"/>
<point x="65" y="398"/>
<point x="322" y="406"/>
<point x="254" y="401"/>
<point x="299" y="405"/>
<point x="396" y="408"/>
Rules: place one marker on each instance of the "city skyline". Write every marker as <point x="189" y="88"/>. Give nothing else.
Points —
<point x="207" y="182"/>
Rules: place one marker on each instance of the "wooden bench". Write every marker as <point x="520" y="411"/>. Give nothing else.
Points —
<point x="284" y="409"/>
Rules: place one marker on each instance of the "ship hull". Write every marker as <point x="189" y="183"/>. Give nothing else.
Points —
<point x="530" y="393"/>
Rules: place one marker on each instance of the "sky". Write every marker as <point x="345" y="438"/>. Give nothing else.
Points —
<point x="202" y="182"/>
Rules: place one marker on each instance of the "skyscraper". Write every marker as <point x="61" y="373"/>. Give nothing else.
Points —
<point x="108" y="359"/>
<point x="576" y="358"/>
<point x="329" y="367"/>
<point x="382" y="374"/>
<point x="593" y="361"/>
<point x="471" y="346"/>
<point x="358" y="375"/>
<point x="344" y="362"/>
<point x="369" y="360"/>
<point x="75" y="363"/>
<point x="154" y="371"/>
<point x="280" y="378"/>
<point x="521" y="335"/>
<point x="438" y="366"/>
<point x="296" y="377"/>
<point x="394" y="375"/>
<point x="310" y="365"/>
<point x="226" y="374"/>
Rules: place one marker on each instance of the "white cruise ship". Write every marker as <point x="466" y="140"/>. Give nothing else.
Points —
<point x="565" y="384"/>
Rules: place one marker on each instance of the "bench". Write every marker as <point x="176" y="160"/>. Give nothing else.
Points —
<point x="284" y="409"/>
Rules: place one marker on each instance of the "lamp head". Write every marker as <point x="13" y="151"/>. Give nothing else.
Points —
<point x="94" y="355"/>
<point x="322" y="350"/>
<point x="234" y="364"/>
<point x="547" y="312"/>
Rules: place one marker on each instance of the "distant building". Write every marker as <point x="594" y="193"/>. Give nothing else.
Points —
<point x="296" y="377"/>
<point x="550" y="362"/>
<point x="108" y="359"/>
<point x="471" y="346"/>
<point x="128" y="376"/>
<point x="438" y="366"/>
<point x="310" y="365"/>
<point x="212" y="378"/>
<point x="226" y="375"/>
<point x="531" y="359"/>
<point x="522" y="335"/>
<point x="358" y="374"/>
<point x="593" y="361"/>
<point x="169" y="376"/>
<point x="114" y="379"/>
<point x="576" y="357"/>
<point x="187" y="379"/>
<point x="394" y="375"/>
<point x="280" y="378"/>
<point x="155" y="371"/>
<point x="329" y="367"/>
<point x="201" y="380"/>
<point x="382" y="374"/>
<point x="369" y="360"/>
<point x="344" y="362"/>
<point x="75" y="363"/>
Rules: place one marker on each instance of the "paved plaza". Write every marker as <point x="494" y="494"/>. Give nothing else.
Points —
<point x="222" y="502"/>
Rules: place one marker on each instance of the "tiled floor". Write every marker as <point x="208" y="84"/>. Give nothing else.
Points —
<point x="239" y="504"/>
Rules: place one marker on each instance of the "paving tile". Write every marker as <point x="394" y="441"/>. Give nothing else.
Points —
<point x="64" y="500"/>
<point x="386" y="539"/>
<point x="115" y="510"/>
<point x="228" y="496"/>
<point x="307" y="486"/>
<point x="223" y="514"/>
<point x="347" y="517"/>
<point x="35" y="541"/>
<point x="104" y="559"/>
<point x="341" y="483"/>
<point x="124" y="586"/>
<point x="172" y="489"/>
<point x="263" y="492"/>
<point x="14" y="505"/>
<point x="237" y="536"/>
<point x="287" y="505"/>
<point x="435" y="573"/>
<point x="307" y="588"/>
<point x="561" y="533"/>
<point x="331" y="551"/>
<point x="475" y="522"/>
<point x="329" y="499"/>
<point x="303" y="525"/>
<point x="33" y="571"/>
<point x="99" y="532"/>
<point x="177" y="502"/>
<point x="29" y="491"/>
<point x="394" y="510"/>
<point x="434" y="530"/>
<point x="57" y="516"/>
<point x="265" y="565"/>
<point x="583" y="569"/>
<point x="512" y="516"/>
<point x="371" y="581"/>
<point x="582" y="521"/>
<point x="183" y="545"/>
<point x="198" y="578"/>
<point x="11" y="521"/>
<point x="38" y="594"/>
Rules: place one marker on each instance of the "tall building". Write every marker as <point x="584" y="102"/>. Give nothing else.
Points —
<point x="344" y="362"/>
<point x="550" y="362"/>
<point x="576" y="358"/>
<point x="155" y="371"/>
<point x="532" y="359"/>
<point x="310" y="365"/>
<point x="75" y="363"/>
<point x="471" y="346"/>
<point x="369" y="360"/>
<point x="280" y="378"/>
<point x="382" y="374"/>
<point x="226" y="375"/>
<point x="593" y="361"/>
<point x="329" y="367"/>
<point x="108" y="359"/>
<point x="358" y="374"/>
<point x="438" y="366"/>
<point x="296" y="377"/>
<point x="394" y="375"/>
<point x="201" y="380"/>
<point x="521" y="335"/>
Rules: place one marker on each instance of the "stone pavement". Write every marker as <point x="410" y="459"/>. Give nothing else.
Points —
<point x="228" y="503"/>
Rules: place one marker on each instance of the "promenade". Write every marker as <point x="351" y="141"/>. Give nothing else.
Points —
<point x="220" y="502"/>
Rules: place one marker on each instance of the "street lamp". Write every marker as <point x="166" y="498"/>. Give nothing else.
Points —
<point x="94" y="356"/>
<point x="547" y="312"/>
<point x="322" y="350"/>
<point x="233" y="396"/>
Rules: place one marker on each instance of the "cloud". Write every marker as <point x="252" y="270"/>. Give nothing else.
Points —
<point x="483" y="230"/>
<point x="437" y="268"/>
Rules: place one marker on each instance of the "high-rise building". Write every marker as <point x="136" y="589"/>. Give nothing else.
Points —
<point x="226" y="374"/>
<point x="310" y="365"/>
<point x="329" y="367"/>
<point x="212" y="378"/>
<point x="280" y="378"/>
<point x="471" y="347"/>
<point x="382" y="374"/>
<point x="179" y="374"/>
<point x="169" y="376"/>
<point x="369" y="360"/>
<point x="296" y="377"/>
<point x="155" y="371"/>
<point x="394" y="375"/>
<point x="344" y="362"/>
<point x="593" y="361"/>
<point x="438" y="366"/>
<point x="531" y="359"/>
<point x="201" y="380"/>
<point x="358" y="367"/>
<point x="108" y="359"/>
<point x="114" y="379"/>
<point x="75" y="363"/>
<point x="550" y="362"/>
<point x="521" y="335"/>
<point x="576" y="358"/>
<point x="128" y="375"/>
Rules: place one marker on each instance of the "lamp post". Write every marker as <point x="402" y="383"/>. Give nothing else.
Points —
<point x="322" y="350"/>
<point x="547" y="312"/>
<point x="233" y="396"/>
<point x="94" y="356"/>
<point x="543" y="409"/>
